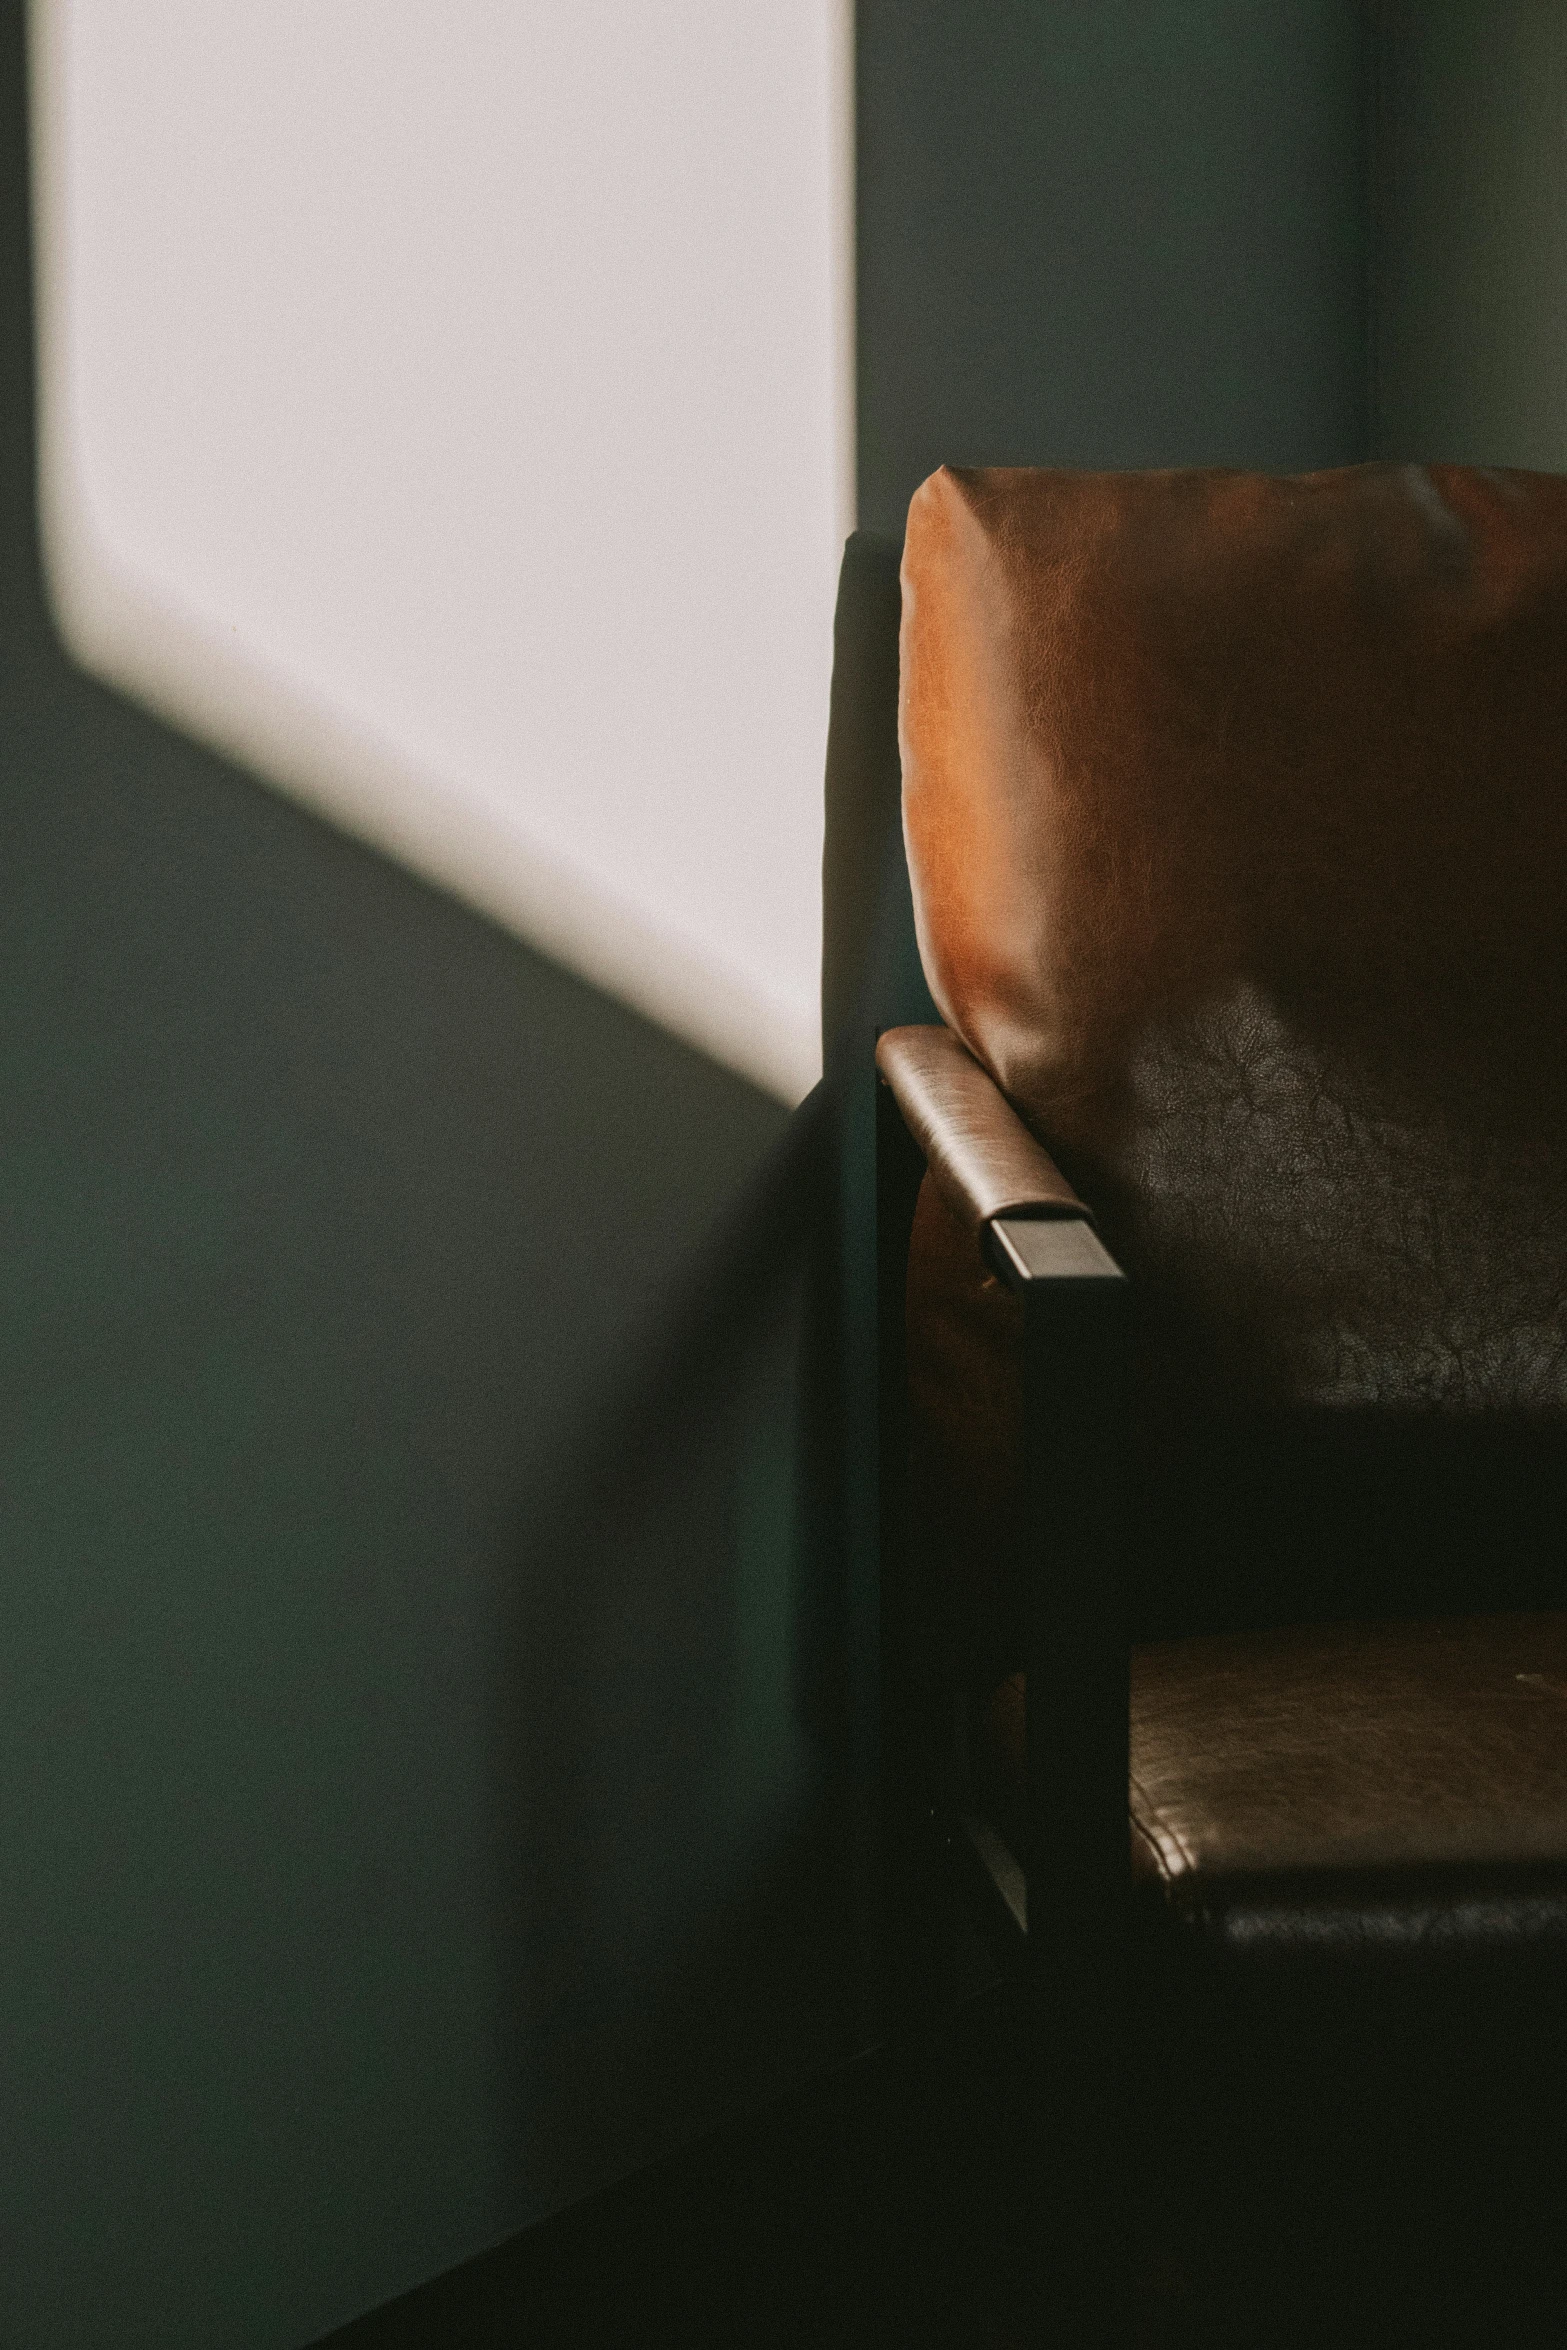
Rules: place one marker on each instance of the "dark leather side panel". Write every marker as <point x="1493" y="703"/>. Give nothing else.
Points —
<point x="862" y="785"/>
<point x="966" y="1403"/>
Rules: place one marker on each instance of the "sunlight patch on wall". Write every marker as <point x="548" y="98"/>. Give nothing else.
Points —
<point x="448" y="413"/>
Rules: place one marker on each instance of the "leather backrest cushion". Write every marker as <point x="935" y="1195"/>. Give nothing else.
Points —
<point x="1236" y="811"/>
<point x="1237" y="819"/>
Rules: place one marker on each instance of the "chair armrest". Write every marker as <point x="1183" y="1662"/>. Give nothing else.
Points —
<point x="938" y="1109"/>
<point x="976" y="1146"/>
<point x="987" y="1165"/>
<point x="943" y="1112"/>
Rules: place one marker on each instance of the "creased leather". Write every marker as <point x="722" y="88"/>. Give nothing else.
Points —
<point x="1237" y="819"/>
<point x="980" y="1154"/>
<point x="1348" y="1790"/>
<point x="1236" y="808"/>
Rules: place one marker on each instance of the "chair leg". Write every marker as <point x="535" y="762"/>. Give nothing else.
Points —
<point x="1079" y="2258"/>
<point x="908" y="1974"/>
<point x="1079" y="1891"/>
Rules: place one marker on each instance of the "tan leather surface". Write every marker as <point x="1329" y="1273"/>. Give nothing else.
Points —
<point x="1237" y="819"/>
<point x="1380" y="1783"/>
<point x="983" y="1158"/>
<point x="1236" y="809"/>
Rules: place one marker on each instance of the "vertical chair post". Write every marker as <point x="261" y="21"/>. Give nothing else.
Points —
<point x="907" y="1987"/>
<point x="1075" y="1302"/>
<point x="937" y="1107"/>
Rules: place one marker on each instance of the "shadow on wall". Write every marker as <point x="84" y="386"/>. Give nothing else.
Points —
<point x="421" y="1796"/>
<point x="331" y="1217"/>
<point x="682" y="1867"/>
<point x="686" y="1687"/>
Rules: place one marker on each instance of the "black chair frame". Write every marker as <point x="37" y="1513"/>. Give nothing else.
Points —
<point x="1066" y="1911"/>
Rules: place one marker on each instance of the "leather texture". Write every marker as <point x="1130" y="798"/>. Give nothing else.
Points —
<point x="1345" y="1791"/>
<point x="981" y="1156"/>
<point x="1236" y="809"/>
<point x="1237" y="818"/>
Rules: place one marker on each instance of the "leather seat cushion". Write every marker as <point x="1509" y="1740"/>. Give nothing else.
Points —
<point x="1384" y="1793"/>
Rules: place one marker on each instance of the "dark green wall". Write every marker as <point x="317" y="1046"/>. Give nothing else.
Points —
<point x="431" y="1674"/>
<point x="1120" y="234"/>
<point x="1471" y="232"/>
<point x="348" y="1595"/>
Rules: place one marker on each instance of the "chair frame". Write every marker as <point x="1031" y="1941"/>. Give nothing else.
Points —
<point x="1069" y="1907"/>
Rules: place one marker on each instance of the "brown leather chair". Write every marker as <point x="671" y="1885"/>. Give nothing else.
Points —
<point x="1224" y="1315"/>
